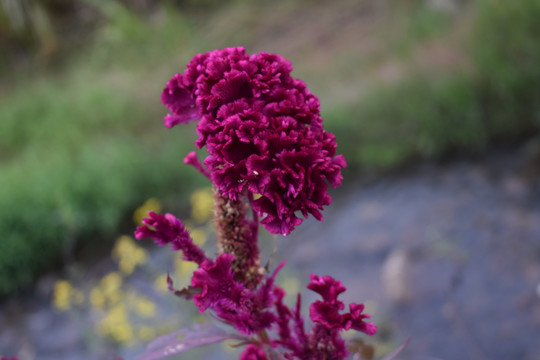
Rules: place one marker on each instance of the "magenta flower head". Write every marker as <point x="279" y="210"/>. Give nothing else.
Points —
<point x="263" y="131"/>
<point x="327" y="311"/>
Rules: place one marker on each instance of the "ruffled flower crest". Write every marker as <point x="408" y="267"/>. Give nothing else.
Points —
<point x="263" y="132"/>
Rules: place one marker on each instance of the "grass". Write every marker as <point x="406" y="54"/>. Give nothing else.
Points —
<point x="76" y="160"/>
<point x="83" y="147"/>
<point x="80" y="151"/>
<point x="429" y="114"/>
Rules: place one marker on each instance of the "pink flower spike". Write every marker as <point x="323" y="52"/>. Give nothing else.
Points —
<point x="165" y="229"/>
<point x="193" y="160"/>
<point x="326" y="312"/>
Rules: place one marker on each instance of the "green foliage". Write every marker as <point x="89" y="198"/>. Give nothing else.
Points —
<point x="435" y="114"/>
<point x="417" y="21"/>
<point x="419" y="116"/>
<point x="80" y="151"/>
<point x="132" y="42"/>
<point x="426" y="22"/>
<point x="505" y="48"/>
<point x="74" y="165"/>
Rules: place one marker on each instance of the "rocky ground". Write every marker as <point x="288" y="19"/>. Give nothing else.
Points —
<point x="447" y="255"/>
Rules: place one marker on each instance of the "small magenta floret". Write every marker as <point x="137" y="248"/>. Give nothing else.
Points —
<point x="326" y="312"/>
<point x="165" y="229"/>
<point x="323" y="341"/>
<point x="263" y="131"/>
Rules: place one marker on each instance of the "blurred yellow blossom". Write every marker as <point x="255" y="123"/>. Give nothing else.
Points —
<point x="146" y="333"/>
<point x="151" y="204"/>
<point x="62" y="295"/>
<point x="198" y="236"/>
<point x="128" y="254"/>
<point x="184" y="271"/>
<point x="144" y="307"/>
<point x="160" y="284"/>
<point x="202" y="203"/>
<point x="116" y="324"/>
<point x="111" y="286"/>
<point x="121" y="309"/>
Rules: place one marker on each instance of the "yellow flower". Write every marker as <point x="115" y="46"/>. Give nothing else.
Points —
<point x="151" y="204"/>
<point x="160" y="284"/>
<point x="110" y="285"/>
<point x="123" y="333"/>
<point x="145" y="307"/>
<point x="116" y="324"/>
<point x="202" y="203"/>
<point x="146" y="333"/>
<point x="62" y="295"/>
<point x="128" y="254"/>
<point x="184" y="271"/>
<point x="198" y="236"/>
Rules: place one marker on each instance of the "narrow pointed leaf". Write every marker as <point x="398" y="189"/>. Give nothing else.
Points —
<point x="185" y="339"/>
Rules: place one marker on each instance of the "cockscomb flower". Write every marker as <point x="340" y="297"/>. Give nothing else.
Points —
<point x="268" y="151"/>
<point x="259" y="313"/>
<point x="263" y="131"/>
<point x="326" y="312"/>
<point x="213" y="284"/>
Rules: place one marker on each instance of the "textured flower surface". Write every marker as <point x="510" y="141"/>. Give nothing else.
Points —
<point x="165" y="229"/>
<point x="267" y="150"/>
<point x="323" y="341"/>
<point x="252" y="311"/>
<point x="263" y="131"/>
<point x="326" y="312"/>
<point x="248" y="310"/>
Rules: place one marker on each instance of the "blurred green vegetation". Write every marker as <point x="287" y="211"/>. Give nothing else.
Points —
<point x="494" y="99"/>
<point x="83" y="145"/>
<point x="81" y="149"/>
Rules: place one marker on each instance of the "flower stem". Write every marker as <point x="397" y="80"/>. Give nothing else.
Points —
<point x="237" y="235"/>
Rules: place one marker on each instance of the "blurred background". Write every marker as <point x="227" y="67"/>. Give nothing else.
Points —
<point x="435" y="105"/>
